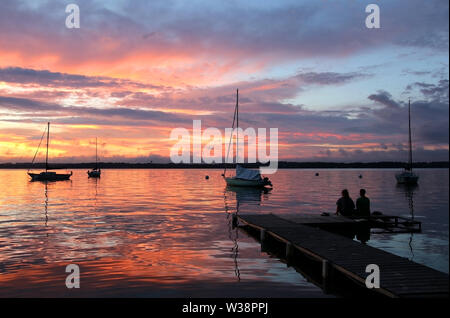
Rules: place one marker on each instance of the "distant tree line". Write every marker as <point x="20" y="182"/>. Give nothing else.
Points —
<point x="281" y="165"/>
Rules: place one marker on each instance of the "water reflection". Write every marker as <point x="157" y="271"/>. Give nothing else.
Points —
<point x="46" y="204"/>
<point x="409" y="191"/>
<point x="145" y="232"/>
<point x="363" y="233"/>
<point x="46" y="184"/>
<point x="359" y="231"/>
<point x="94" y="181"/>
<point x="245" y="199"/>
<point x="234" y="237"/>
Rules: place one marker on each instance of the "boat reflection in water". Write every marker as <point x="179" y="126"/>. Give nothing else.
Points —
<point x="47" y="186"/>
<point x="409" y="190"/>
<point x="247" y="196"/>
<point x="244" y="197"/>
<point x="46" y="205"/>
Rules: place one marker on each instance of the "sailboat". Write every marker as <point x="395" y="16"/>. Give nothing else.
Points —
<point x="96" y="172"/>
<point x="244" y="177"/>
<point x="47" y="175"/>
<point x="408" y="176"/>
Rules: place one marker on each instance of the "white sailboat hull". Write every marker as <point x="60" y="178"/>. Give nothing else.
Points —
<point x="407" y="177"/>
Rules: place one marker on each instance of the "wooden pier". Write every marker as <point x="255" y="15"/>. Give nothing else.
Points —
<point x="337" y="257"/>
<point x="387" y="223"/>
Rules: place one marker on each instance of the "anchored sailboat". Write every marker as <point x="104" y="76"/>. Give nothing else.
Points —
<point x="244" y="177"/>
<point x="47" y="175"/>
<point x="408" y="176"/>
<point x="96" y="172"/>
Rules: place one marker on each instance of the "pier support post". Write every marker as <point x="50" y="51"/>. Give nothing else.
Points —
<point x="325" y="269"/>
<point x="262" y="238"/>
<point x="262" y="235"/>
<point x="289" y="251"/>
<point x="325" y="274"/>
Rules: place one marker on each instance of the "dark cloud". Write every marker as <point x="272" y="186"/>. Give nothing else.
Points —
<point x="387" y="118"/>
<point x="56" y="79"/>
<point x="24" y="104"/>
<point x="420" y="155"/>
<point x="437" y="91"/>
<point x="329" y="78"/>
<point x="385" y="99"/>
<point x="238" y="32"/>
<point x="261" y="96"/>
<point x="429" y="116"/>
<point x="418" y="73"/>
<point x="48" y="109"/>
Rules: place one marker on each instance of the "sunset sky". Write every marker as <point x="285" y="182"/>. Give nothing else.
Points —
<point x="134" y="70"/>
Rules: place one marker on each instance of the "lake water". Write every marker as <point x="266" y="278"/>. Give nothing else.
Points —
<point x="167" y="233"/>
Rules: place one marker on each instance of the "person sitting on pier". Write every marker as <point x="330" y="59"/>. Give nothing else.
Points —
<point x="345" y="205"/>
<point x="363" y="204"/>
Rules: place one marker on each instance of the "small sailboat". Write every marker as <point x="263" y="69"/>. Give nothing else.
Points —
<point x="47" y="175"/>
<point x="96" y="172"/>
<point x="408" y="176"/>
<point x="247" y="178"/>
<point x="244" y="177"/>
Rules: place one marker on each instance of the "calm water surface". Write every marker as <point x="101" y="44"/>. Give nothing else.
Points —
<point x="167" y="233"/>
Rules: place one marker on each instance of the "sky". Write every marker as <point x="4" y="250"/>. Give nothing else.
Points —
<point x="135" y="70"/>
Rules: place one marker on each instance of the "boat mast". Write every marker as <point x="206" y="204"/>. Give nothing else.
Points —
<point x="237" y="125"/>
<point x="95" y="153"/>
<point x="231" y="139"/>
<point x="46" y="156"/>
<point x="409" y="131"/>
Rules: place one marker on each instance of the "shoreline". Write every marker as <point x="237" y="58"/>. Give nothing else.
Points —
<point x="281" y="165"/>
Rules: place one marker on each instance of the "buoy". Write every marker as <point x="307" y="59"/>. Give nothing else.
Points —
<point x="317" y="174"/>
<point x="206" y="177"/>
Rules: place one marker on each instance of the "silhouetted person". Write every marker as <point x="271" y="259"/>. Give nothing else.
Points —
<point x="363" y="204"/>
<point x="345" y="205"/>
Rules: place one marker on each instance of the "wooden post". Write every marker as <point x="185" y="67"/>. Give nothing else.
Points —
<point x="289" y="250"/>
<point x="325" y="270"/>
<point x="262" y="238"/>
<point x="325" y="276"/>
<point x="262" y="235"/>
